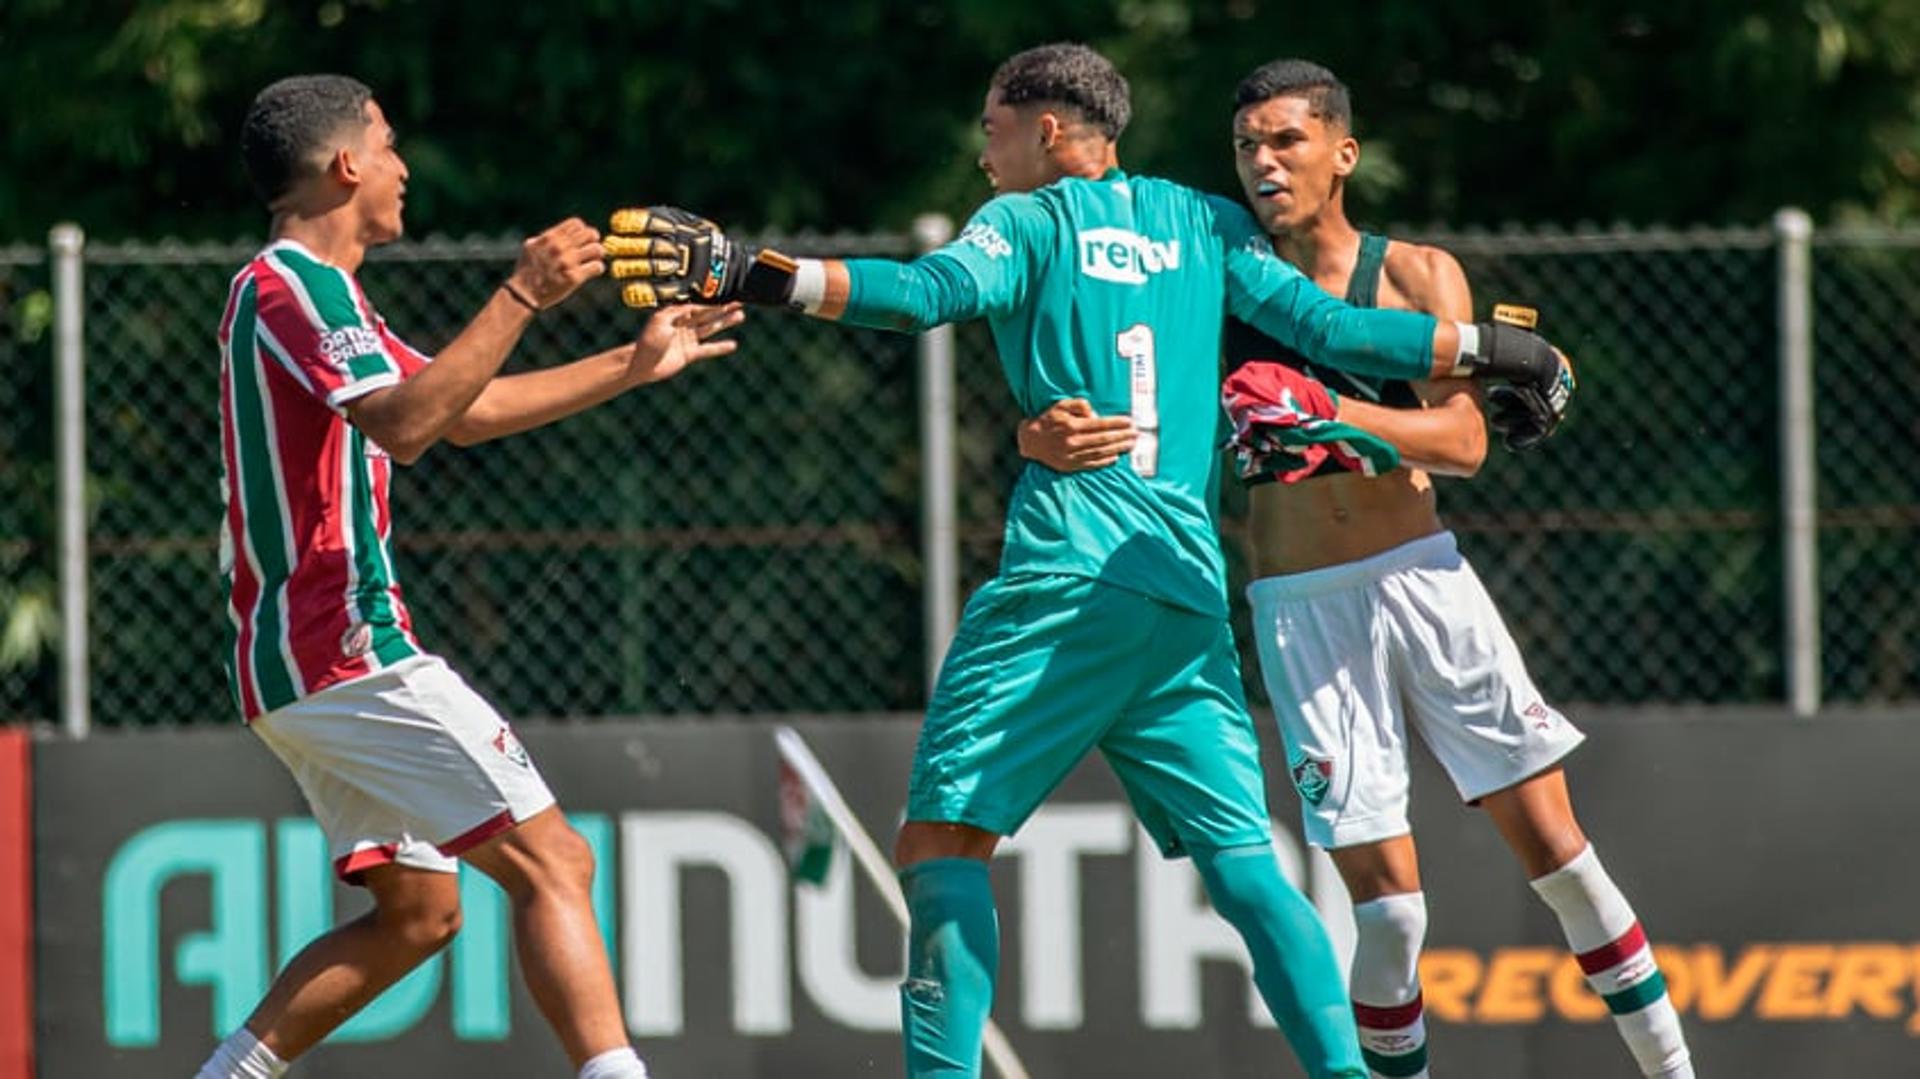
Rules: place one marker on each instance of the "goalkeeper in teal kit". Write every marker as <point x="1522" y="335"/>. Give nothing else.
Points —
<point x="1106" y="626"/>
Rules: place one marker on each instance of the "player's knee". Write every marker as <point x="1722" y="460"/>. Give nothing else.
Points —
<point x="1399" y="919"/>
<point x="424" y="925"/>
<point x="923" y="841"/>
<point x="565" y="862"/>
<point x="1388" y="935"/>
<point x="544" y="857"/>
<point x="435" y="931"/>
<point x="1242" y="882"/>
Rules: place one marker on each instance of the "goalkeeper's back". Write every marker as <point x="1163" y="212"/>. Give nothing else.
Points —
<point x="1113" y="289"/>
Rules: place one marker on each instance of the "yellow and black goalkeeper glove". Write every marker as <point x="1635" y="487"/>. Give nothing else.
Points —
<point x="668" y="255"/>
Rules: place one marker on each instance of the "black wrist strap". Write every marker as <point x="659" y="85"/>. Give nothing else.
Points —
<point x="523" y="299"/>
<point x="1501" y="353"/>
<point x="769" y="278"/>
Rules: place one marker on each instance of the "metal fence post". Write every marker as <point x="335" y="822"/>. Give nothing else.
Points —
<point x="939" y="467"/>
<point x="1799" y="503"/>
<point x="70" y="484"/>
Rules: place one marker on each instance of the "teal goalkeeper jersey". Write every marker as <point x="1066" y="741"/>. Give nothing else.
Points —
<point x="1114" y="290"/>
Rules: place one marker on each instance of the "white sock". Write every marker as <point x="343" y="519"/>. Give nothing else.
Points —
<point x="242" y="1056"/>
<point x="621" y="1063"/>
<point x="1386" y="984"/>
<point x="1613" y="951"/>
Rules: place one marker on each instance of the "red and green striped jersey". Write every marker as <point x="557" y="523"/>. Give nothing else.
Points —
<point x="313" y="598"/>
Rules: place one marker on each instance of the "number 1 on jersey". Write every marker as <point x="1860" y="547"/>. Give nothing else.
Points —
<point x="1135" y="344"/>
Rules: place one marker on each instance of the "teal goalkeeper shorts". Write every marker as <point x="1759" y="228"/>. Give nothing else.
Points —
<point x="1045" y="668"/>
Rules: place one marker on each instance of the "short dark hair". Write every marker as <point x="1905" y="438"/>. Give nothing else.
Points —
<point x="1326" y="96"/>
<point x="290" y="121"/>
<point x="1072" y="75"/>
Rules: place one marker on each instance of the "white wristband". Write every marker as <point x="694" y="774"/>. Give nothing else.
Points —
<point x="809" y="285"/>
<point x="1464" y="360"/>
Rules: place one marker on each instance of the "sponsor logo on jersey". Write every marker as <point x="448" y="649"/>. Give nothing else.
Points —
<point x="510" y="747"/>
<point x="1313" y="778"/>
<point x="986" y="238"/>
<point x="339" y="346"/>
<point x="1125" y="257"/>
<point x="1542" y="719"/>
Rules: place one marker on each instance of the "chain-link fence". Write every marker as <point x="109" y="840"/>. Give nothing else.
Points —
<point x="1866" y="290"/>
<point x="1638" y="555"/>
<point x="27" y="603"/>
<point x="747" y="538"/>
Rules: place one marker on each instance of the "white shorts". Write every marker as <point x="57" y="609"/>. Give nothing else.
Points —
<point x="406" y="765"/>
<point x="1352" y="653"/>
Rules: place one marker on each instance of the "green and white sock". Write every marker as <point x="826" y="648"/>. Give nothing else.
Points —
<point x="1612" y="949"/>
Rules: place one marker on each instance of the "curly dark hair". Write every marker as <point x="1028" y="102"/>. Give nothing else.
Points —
<point x="291" y="121"/>
<point x="1326" y="95"/>
<point x="1071" y="75"/>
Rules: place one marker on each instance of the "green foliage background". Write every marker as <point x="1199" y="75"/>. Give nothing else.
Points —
<point x="122" y="115"/>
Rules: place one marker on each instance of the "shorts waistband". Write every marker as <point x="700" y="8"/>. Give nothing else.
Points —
<point x="1426" y="551"/>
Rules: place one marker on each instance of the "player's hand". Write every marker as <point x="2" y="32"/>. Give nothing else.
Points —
<point x="678" y="337"/>
<point x="669" y="255"/>
<point x="1070" y="437"/>
<point x="556" y="262"/>
<point x="1525" y="413"/>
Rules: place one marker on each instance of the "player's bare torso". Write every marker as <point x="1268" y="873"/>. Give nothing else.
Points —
<point x="1342" y="517"/>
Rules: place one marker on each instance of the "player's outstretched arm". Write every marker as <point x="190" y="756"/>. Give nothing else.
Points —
<point x="407" y="418"/>
<point x="674" y="339"/>
<point x="1282" y="303"/>
<point x="669" y="255"/>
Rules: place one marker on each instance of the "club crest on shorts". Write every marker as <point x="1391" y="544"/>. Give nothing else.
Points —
<point x="510" y="747"/>
<point x="1312" y="778"/>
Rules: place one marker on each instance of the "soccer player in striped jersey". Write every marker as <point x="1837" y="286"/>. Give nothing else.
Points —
<point x="1368" y="620"/>
<point x="406" y="768"/>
